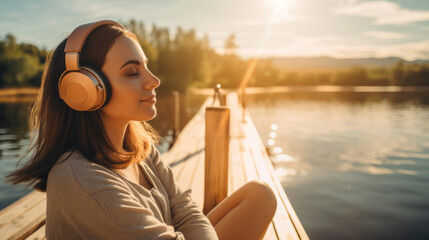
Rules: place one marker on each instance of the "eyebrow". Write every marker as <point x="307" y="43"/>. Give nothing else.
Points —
<point x="137" y="62"/>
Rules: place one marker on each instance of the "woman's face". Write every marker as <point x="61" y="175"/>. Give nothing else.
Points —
<point x="133" y="85"/>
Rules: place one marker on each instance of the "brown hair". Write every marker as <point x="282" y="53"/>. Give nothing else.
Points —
<point x="56" y="128"/>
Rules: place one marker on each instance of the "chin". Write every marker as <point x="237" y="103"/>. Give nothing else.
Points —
<point x="149" y="116"/>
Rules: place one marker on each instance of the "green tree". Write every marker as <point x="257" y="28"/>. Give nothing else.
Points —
<point x="20" y="64"/>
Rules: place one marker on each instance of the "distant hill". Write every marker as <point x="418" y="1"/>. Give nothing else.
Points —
<point x="336" y="63"/>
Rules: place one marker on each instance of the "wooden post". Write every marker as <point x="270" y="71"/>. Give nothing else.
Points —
<point x="176" y="100"/>
<point x="243" y="103"/>
<point x="216" y="156"/>
<point x="219" y="96"/>
<point x="223" y="96"/>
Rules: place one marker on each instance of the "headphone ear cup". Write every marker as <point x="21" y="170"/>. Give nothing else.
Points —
<point x="106" y="83"/>
<point x="85" y="90"/>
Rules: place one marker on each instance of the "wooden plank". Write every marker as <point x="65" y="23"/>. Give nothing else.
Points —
<point x="253" y="172"/>
<point x="271" y="233"/>
<point x="185" y="176"/>
<point x="282" y="223"/>
<point x="249" y="174"/>
<point x="297" y="223"/>
<point x="189" y="168"/>
<point x="242" y="166"/>
<point x="287" y="226"/>
<point x="19" y="207"/>
<point x="231" y="168"/>
<point x="186" y="151"/>
<point x="26" y="223"/>
<point x="197" y="186"/>
<point x="247" y="167"/>
<point x="182" y="148"/>
<point x="19" y="201"/>
<point x="38" y="235"/>
<point x="186" y="172"/>
<point x="237" y="177"/>
<point x="198" y="175"/>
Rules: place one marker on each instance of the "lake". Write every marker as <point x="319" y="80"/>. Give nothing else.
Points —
<point x="354" y="165"/>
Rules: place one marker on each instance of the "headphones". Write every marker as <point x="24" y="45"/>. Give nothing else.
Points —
<point x="81" y="87"/>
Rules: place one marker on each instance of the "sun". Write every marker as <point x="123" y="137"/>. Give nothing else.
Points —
<point x="281" y="5"/>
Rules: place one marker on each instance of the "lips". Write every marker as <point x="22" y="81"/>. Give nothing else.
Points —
<point x="150" y="99"/>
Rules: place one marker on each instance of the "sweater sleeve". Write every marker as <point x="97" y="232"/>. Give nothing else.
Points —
<point x="85" y="201"/>
<point x="128" y="218"/>
<point x="186" y="216"/>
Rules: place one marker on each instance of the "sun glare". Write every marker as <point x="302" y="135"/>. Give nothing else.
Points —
<point x="281" y="5"/>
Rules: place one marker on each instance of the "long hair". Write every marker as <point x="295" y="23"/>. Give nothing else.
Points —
<point x="55" y="128"/>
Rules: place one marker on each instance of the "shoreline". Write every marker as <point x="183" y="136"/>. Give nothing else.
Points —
<point x="319" y="88"/>
<point x="18" y="95"/>
<point x="26" y="94"/>
<point x="18" y="91"/>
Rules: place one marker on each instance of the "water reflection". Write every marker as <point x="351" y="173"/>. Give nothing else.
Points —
<point x="347" y="133"/>
<point x="13" y="142"/>
<point x="354" y="165"/>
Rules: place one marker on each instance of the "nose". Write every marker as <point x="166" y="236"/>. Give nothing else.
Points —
<point x="152" y="82"/>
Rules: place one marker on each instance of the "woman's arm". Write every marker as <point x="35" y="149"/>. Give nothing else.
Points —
<point x="87" y="201"/>
<point x="128" y="218"/>
<point x="186" y="216"/>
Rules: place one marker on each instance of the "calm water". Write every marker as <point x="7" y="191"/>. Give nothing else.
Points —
<point x="354" y="165"/>
<point x="14" y="137"/>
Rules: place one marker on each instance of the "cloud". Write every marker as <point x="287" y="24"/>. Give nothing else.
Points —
<point x="279" y="18"/>
<point x="320" y="39"/>
<point x="409" y="51"/>
<point x="384" y="35"/>
<point x="263" y="22"/>
<point x="383" y="12"/>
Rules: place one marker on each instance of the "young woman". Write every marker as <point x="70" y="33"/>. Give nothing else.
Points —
<point x="94" y="154"/>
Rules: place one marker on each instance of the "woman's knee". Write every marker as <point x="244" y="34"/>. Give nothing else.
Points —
<point x="263" y="194"/>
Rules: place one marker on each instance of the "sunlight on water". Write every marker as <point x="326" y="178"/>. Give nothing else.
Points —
<point x="371" y="136"/>
<point x="284" y="158"/>
<point x="354" y="165"/>
<point x="277" y="150"/>
<point x="282" y="172"/>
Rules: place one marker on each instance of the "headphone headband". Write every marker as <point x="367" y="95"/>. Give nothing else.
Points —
<point x="83" y="88"/>
<point x="76" y="40"/>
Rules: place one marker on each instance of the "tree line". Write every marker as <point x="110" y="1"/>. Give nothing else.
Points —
<point x="400" y="74"/>
<point x="185" y="60"/>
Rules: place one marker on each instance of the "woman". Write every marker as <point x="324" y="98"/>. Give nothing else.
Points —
<point x="97" y="161"/>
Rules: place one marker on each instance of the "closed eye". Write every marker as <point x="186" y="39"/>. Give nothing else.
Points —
<point x="132" y="74"/>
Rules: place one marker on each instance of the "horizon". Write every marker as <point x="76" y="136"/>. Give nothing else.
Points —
<point x="342" y="29"/>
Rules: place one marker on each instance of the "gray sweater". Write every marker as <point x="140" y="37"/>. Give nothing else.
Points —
<point x="88" y="201"/>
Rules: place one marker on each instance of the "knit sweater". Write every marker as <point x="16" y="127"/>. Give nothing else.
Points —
<point x="88" y="201"/>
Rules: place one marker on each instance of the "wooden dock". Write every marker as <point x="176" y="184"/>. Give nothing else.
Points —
<point x="248" y="161"/>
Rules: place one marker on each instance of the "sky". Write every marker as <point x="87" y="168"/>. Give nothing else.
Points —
<point x="263" y="28"/>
